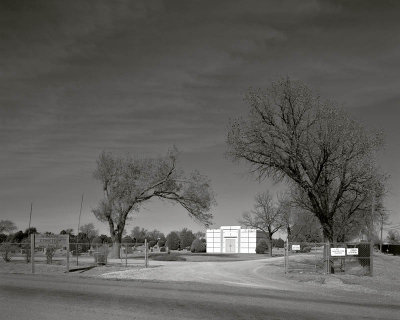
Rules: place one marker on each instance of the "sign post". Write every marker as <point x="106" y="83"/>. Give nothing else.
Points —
<point x="33" y="253"/>
<point x="55" y="241"/>
<point x="371" y="258"/>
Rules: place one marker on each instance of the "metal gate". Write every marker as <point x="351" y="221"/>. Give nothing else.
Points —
<point x="325" y="258"/>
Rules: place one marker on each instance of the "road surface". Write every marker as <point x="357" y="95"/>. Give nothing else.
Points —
<point x="65" y="297"/>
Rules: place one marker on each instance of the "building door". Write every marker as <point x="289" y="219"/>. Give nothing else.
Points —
<point x="230" y="245"/>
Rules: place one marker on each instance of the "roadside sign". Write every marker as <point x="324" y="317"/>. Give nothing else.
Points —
<point x="338" y="252"/>
<point x="352" y="251"/>
<point x="56" y="240"/>
<point x="295" y="247"/>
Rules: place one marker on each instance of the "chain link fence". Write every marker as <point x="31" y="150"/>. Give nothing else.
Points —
<point x="325" y="258"/>
<point x="74" y="255"/>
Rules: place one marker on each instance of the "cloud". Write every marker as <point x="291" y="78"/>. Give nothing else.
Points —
<point x="139" y="76"/>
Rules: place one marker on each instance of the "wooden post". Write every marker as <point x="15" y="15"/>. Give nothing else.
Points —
<point x="287" y="256"/>
<point x="33" y="253"/>
<point x="68" y="255"/>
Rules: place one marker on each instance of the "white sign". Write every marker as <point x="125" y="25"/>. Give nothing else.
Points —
<point x="338" y="252"/>
<point x="56" y="240"/>
<point x="295" y="247"/>
<point x="352" y="251"/>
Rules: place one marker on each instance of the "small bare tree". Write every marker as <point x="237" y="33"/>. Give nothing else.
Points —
<point x="129" y="182"/>
<point x="89" y="231"/>
<point x="265" y="217"/>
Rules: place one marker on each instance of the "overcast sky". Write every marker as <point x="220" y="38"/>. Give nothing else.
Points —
<point x="78" y="77"/>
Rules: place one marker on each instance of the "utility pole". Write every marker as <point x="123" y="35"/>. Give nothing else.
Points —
<point x="30" y="219"/>
<point x="380" y="244"/>
<point x="371" y="221"/>
<point x="77" y="233"/>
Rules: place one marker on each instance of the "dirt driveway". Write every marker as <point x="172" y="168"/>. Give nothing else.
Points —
<point x="264" y="273"/>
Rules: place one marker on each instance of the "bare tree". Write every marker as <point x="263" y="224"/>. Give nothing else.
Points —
<point x="265" y="217"/>
<point x="290" y="133"/>
<point x="129" y="182"/>
<point x="89" y="231"/>
<point x="393" y="237"/>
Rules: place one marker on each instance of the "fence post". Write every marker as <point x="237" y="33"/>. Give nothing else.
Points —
<point x="33" y="252"/>
<point x="68" y="257"/>
<point x="126" y="255"/>
<point x="287" y="257"/>
<point x="371" y="259"/>
<point x="328" y="270"/>
<point x="145" y="253"/>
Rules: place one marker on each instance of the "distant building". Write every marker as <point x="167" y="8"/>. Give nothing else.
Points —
<point x="232" y="239"/>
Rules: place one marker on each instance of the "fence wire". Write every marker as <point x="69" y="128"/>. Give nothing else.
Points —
<point x="325" y="258"/>
<point x="76" y="255"/>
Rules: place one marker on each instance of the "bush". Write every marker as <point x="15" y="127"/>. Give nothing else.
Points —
<point x="163" y="249"/>
<point x="6" y="250"/>
<point x="261" y="247"/>
<point x="278" y="243"/>
<point x="152" y="243"/>
<point x="198" y="246"/>
<point x="50" y="254"/>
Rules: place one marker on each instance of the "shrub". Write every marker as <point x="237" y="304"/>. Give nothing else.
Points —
<point x="198" y="246"/>
<point x="261" y="247"/>
<point x="152" y="243"/>
<point x="50" y="254"/>
<point x="6" y="250"/>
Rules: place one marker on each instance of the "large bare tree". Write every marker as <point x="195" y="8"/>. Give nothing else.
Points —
<point x="129" y="182"/>
<point x="329" y="158"/>
<point x="265" y="217"/>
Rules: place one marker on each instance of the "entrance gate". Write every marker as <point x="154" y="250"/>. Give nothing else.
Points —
<point x="348" y="258"/>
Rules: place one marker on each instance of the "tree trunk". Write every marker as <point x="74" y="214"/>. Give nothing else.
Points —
<point x="270" y="246"/>
<point x="116" y="247"/>
<point x="115" y="251"/>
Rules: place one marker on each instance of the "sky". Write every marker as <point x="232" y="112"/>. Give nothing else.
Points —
<point x="137" y="77"/>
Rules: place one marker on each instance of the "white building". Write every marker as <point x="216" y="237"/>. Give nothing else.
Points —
<point x="232" y="239"/>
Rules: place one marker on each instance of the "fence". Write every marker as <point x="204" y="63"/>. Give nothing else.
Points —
<point x="74" y="255"/>
<point x="325" y="258"/>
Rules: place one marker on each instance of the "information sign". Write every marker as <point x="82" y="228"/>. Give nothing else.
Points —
<point x="352" y="251"/>
<point x="56" y="240"/>
<point x="338" y="252"/>
<point x="295" y="247"/>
